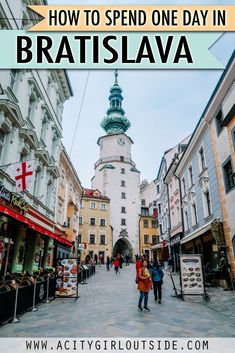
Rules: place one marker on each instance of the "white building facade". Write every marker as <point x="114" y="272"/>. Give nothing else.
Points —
<point x="117" y="178"/>
<point x="31" y="109"/>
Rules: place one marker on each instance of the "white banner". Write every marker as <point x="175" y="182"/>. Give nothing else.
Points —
<point x="111" y="345"/>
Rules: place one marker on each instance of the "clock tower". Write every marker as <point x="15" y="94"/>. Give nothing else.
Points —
<point x="116" y="176"/>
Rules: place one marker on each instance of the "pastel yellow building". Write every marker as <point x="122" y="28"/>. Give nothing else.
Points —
<point x="68" y="199"/>
<point x="149" y="235"/>
<point x="95" y="231"/>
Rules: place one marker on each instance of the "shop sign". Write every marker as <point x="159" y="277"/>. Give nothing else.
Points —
<point x="13" y="198"/>
<point x="175" y="240"/>
<point x="191" y="274"/>
<point x="81" y="246"/>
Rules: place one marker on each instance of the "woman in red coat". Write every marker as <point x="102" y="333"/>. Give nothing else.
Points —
<point x="144" y="285"/>
<point x="116" y="265"/>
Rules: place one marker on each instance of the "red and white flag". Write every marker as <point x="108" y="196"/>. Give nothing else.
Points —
<point x="23" y="173"/>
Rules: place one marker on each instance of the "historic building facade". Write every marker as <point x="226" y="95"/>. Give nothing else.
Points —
<point x="220" y="114"/>
<point x="31" y="109"/>
<point x="148" y="221"/>
<point x="95" y="231"/>
<point x="174" y="205"/>
<point x="116" y="176"/>
<point x="201" y="206"/>
<point x="68" y="199"/>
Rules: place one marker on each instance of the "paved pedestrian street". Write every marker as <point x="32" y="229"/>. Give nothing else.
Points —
<point x="107" y="307"/>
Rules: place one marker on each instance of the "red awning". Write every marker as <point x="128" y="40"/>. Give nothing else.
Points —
<point x="32" y="225"/>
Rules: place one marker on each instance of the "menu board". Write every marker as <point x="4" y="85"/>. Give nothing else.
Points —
<point x="67" y="278"/>
<point x="191" y="274"/>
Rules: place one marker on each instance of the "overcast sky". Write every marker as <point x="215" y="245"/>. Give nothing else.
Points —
<point x="162" y="106"/>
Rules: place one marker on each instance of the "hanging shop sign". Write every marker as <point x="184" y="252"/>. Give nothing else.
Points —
<point x="67" y="278"/>
<point x="13" y="198"/>
<point x="81" y="246"/>
<point x="191" y="275"/>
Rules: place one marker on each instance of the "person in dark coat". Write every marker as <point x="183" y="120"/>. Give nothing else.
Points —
<point x="108" y="263"/>
<point x="157" y="276"/>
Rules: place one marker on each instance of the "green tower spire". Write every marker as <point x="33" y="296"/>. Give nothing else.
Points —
<point x="115" y="121"/>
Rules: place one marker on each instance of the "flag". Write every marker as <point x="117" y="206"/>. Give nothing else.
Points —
<point x="23" y="173"/>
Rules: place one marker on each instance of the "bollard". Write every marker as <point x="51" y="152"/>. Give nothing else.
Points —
<point x="83" y="280"/>
<point x="48" y="283"/>
<point x="15" y="320"/>
<point x="34" y="295"/>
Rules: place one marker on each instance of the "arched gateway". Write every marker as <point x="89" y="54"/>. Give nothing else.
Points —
<point x="123" y="246"/>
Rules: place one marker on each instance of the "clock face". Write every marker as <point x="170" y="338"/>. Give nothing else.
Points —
<point x="121" y="141"/>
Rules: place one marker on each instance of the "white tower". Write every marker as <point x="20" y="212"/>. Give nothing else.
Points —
<point x="116" y="176"/>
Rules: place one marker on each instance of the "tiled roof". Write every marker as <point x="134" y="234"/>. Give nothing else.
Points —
<point x="94" y="194"/>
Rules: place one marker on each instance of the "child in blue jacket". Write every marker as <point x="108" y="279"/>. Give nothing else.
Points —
<point x="157" y="276"/>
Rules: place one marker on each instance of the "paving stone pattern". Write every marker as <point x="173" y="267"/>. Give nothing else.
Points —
<point x="107" y="307"/>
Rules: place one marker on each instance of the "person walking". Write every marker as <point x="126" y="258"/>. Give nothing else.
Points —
<point x="144" y="279"/>
<point x="116" y="265"/>
<point x="157" y="276"/>
<point x="170" y="263"/>
<point x="107" y="263"/>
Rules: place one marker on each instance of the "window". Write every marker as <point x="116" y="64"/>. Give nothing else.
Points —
<point x="154" y="239"/>
<point x="80" y="220"/>
<point x="146" y="224"/>
<point x="60" y="213"/>
<point x="79" y="238"/>
<point x="93" y="205"/>
<point x="194" y="214"/>
<point x="102" y="239"/>
<point x="219" y="121"/>
<point x="123" y="171"/>
<point x="159" y="208"/>
<point x="202" y="159"/>
<point x="123" y="183"/>
<point x="92" y="221"/>
<point x="2" y="138"/>
<point x="81" y="204"/>
<point x="143" y="202"/>
<point x="123" y="209"/>
<point x="121" y="158"/>
<point x="183" y="187"/>
<point x="158" y="189"/>
<point x="228" y="175"/>
<point x="233" y="137"/>
<point x="207" y="204"/>
<point x="102" y="222"/>
<point x="123" y="222"/>
<point x="49" y="193"/>
<point x="68" y="222"/>
<point x="155" y="203"/>
<point x="146" y="239"/>
<point x="92" y="238"/>
<point x="154" y="224"/>
<point x="190" y="170"/>
<point x="123" y="195"/>
<point x="186" y="220"/>
<point x="144" y="211"/>
<point x="103" y="206"/>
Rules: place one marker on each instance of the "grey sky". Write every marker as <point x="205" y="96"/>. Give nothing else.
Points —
<point x="162" y="106"/>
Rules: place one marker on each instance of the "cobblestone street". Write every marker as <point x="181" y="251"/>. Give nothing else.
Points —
<point x="107" y="307"/>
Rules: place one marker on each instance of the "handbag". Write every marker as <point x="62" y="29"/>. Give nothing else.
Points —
<point x="137" y="279"/>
